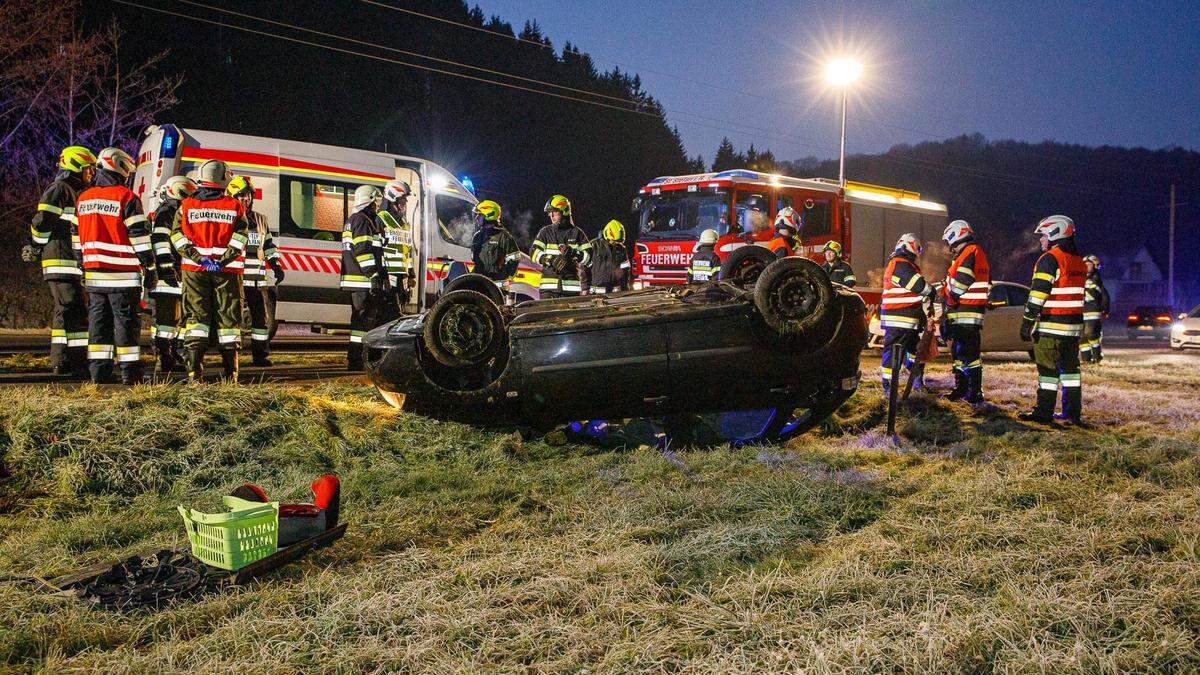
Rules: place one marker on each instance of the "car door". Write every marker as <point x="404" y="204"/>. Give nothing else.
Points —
<point x="1002" y="323"/>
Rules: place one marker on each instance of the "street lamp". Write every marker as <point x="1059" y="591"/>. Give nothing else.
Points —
<point x="841" y="73"/>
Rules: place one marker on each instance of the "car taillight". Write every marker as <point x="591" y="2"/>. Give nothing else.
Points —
<point x="1132" y="317"/>
<point x="1163" y="317"/>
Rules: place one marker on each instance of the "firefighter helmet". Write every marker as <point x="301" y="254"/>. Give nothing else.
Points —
<point x="708" y="237"/>
<point x="787" y="217"/>
<point x="212" y="174"/>
<point x="393" y="190"/>
<point x="115" y="160"/>
<point x="238" y="185"/>
<point x="1055" y="228"/>
<point x="834" y="246"/>
<point x="489" y="210"/>
<point x="365" y="195"/>
<point x="909" y="242"/>
<point x="76" y="158"/>
<point x="1092" y="259"/>
<point x="957" y="231"/>
<point x="558" y="203"/>
<point x="614" y="231"/>
<point x="178" y="187"/>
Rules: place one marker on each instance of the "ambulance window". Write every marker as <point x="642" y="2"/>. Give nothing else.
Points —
<point x="816" y="218"/>
<point x="456" y="223"/>
<point x="313" y="210"/>
<point x="751" y="212"/>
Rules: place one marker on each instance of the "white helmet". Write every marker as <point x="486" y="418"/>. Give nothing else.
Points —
<point x="395" y="189"/>
<point x="708" y="237"/>
<point x="1055" y="228"/>
<point x="365" y="195"/>
<point x="178" y="187"/>
<point x="787" y="217"/>
<point x="957" y="231"/>
<point x="213" y="174"/>
<point x="115" y="160"/>
<point x="909" y="242"/>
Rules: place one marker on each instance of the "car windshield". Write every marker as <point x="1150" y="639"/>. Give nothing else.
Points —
<point x="1195" y="313"/>
<point x="456" y="222"/>
<point x="1152" y="310"/>
<point x="679" y="215"/>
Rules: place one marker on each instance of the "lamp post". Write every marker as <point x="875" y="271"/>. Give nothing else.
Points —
<point x="841" y="73"/>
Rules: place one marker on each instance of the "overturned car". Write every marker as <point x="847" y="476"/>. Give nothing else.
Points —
<point x="770" y="334"/>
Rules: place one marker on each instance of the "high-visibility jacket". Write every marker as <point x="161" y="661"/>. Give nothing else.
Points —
<point x="397" y="240"/>
<point x="705" y="265"/>
<point x="781" y="247"/>
<point x="904" y="290"/>
<point x="260" y="250"/>
<point x="114" y="237"/>
<point x="561" y="241"/>
<point x="166" y="258"/>
<point x="1056" y="293"/>
<point x="968" y="282"/>
<point x="362" y="251"/>
<point x="1095" y="298"/>
<point x="607" y="270"/>
<point x="51" y="228"/>
<point x="210" y="224"/>
<point x="840" y="272"/>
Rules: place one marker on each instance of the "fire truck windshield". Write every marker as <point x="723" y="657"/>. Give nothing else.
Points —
<point x="680" y="215"/>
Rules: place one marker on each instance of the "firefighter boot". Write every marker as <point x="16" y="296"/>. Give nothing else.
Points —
<point x="131" y="374"/>
<point x="229" y="364"/>
<point x="259" y="351"/>
<point x="195" y="364"/>
<point x="974" y="378"/>
<point x="960" y="386"/>
<point x="168" y="357"/>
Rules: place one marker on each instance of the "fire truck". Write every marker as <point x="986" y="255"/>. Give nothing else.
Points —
<point x="741" y="206"/>
<point x="305" y="190"/>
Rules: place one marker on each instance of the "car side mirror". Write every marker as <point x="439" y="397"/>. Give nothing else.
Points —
<point x="1182" y="316"/>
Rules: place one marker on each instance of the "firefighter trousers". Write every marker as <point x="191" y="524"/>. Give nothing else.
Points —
<point x="964" y="349"/>
<point x="366" y="308"/>
<point x="113" y="329"/>
<point x="1089" y="346"/>
<point x="260" y="330"/>
<point x="1057" y="360"/>
<point x="216" y="297"/>
<point x="69" y="326"/>
<point x="166" y="320"/>
<point x="908" y="337"/>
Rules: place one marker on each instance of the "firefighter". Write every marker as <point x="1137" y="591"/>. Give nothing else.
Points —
<point x="705" y="264"/>
<point x="261" y="253"/>
<point x="968" y="282"/>
<point x="167" y="292"/>
<point x="363" y="274"/>
<point x="836" y="267"/>
<point x="52" y="245"/>
<point x="787" y="228"/>
<point x="608" y="268"/>
<point x="1095" y="309"/>
<point x="1054" y="321"/>
<point x="902" y="313"/>
<point x="560" y="248"/>
<point x="210" y="233"/>
<point x="397" y="245"/>
<point x="114" y="239"/>
<point x="493" y="248"/>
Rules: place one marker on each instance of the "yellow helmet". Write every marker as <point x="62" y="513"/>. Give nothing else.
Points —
<point x="237" y="185"/>
<point x="489" y="209"/>
<point x="76" y="158"/>
<point x="614" y="231"/>
<point x="558" y="203"/>
<point x="834" y="246"/>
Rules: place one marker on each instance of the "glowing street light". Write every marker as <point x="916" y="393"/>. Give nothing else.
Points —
<point x="842" y="73"/>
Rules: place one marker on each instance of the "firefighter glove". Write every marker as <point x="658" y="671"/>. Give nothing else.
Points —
<point x="149" y="278"/>
<point x="1026" y="330"/>
<point x="210" y="265"/>
<point x="31" y="253"/>
<point x="277" y="269"/>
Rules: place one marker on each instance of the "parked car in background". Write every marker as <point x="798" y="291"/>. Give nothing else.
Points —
<point x="1001" y="323"/>
<point x="1152" y="321"/>
<point x="1185" y="332"/>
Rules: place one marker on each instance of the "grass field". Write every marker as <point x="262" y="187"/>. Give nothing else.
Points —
<point x="976" y="544"/>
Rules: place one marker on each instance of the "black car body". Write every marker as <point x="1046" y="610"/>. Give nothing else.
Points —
<point x="1152" y="321"/>
<point x="652" y="353"/>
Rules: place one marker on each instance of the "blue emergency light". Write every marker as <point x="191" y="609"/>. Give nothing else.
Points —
<point x="170" y="142"/>
<point x="467" y="183"/>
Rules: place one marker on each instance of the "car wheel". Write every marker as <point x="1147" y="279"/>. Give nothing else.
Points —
<point x="464" y="328"/>
<point x="794" y="296"/>
<point x="745" y="264"/>
<point x="477" y="283"/>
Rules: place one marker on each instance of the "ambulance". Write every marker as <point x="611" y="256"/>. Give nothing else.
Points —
<point x="305" y="191"/>
<point x="741" y="205"/>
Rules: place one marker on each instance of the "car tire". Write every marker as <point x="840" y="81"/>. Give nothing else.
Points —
<point x="794" y="296"/>
<point x="744" y="265"/>
<point x="477" y="283"/>
<point x="464" y="328"/>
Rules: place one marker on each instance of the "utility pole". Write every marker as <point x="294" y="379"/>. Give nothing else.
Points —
<point x="1171" y="253"/>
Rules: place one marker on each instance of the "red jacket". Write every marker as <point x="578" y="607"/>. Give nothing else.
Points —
<point x="114" y="237"/>
<point x="214" y="228"/>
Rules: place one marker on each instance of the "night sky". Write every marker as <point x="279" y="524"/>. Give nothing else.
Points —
<point x="1094" y="73"/>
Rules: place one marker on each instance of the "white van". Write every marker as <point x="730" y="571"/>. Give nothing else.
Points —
<point x="304" y="190"/>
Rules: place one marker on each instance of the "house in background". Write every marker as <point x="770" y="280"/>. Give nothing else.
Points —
<point x="1134" y="280"/>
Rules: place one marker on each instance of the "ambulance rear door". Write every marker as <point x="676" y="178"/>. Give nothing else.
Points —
<point x="157" y="160"/>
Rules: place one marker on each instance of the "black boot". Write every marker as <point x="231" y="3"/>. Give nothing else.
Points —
<point x="195" y="364"/>
<point x="229" y="363"/>
<point x="168" y="356"/>
<point x="259" y="352"/>
<point x="960" y="387"/>
<point x="132" y="375"/>
<point x="974" y="378"/>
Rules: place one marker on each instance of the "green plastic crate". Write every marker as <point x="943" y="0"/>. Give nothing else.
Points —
<point x="230" y="541"/>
